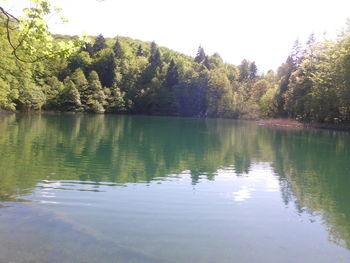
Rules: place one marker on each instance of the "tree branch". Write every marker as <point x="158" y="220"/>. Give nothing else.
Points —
<point x="8" y="18"/>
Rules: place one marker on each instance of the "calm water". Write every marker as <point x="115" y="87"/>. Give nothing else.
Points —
<point x="105" y="188"/>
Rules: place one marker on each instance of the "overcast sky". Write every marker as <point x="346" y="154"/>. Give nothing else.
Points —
<point x="259" y="30"/>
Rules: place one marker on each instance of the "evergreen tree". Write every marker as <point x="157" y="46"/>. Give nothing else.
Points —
<point x="105" y="66"/>
<point x="311" y="40"/>
<point x="52" y="90"/>
<point x="70" y="97"/>
<point x="284" y="73"/>
<point x="100" y="43"/>
<point x="190" y="96"/>
<point x="244" y="70"/>
<point x="253" y="70"/>
<point x="200" y="57"/>
<point x="88" y="48"/>
<point x="155" y="58"/>
<point x="96" y="96"/>
<point x="313" y="84"/>
<point x="172" y="76"/>
<point x="153" y="48"/>
<point x="118" y="50"/>
<point x="297" y="54"/>
<point x="207" y="63"/>
<point x="139" y="51"/>
<point x="81" y="84"/>
<point x="116" y="102"/>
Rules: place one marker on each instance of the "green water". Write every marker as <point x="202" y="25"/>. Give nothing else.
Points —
<point x="106" y="188"/>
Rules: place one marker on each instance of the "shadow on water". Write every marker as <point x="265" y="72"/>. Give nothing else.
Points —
<point x="313" y="167"/>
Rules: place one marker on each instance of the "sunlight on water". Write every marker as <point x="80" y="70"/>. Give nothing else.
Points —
<point x="90" y="188"/>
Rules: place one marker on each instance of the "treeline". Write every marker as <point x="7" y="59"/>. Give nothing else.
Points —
<point x="123" y="75"/>
<point x="314" y="83"/>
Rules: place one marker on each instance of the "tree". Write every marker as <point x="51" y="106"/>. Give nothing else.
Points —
<point x="100" y="43"/>
<point x="259" y="88"/>
<point x="70" y="97"/>
<point x="296" y="96"/>
<point x="190" y="95"/>
<point x="297" y="54"/>
<point x="284" y="73"/>
<point x="219" y="96"/>
<point x="153" y="68"/>
<point x="139" y="51"/>
<point x="80" y="60"/>
<point x="253" y="70"/>
<point x="213" y="62"/>
<point x="118" y="50"/>
<point x="104" y="64"/>
<point x="200" y="57"/>
<point x="155" y="58"/>
<point x="52" y="90"/>
<point x="29" y="36"/>
<point x="116" y="102"/>
<point x="81" y="84"/>
<point x="96" y="96"/>
<point x="88" y="48"/>
<point x="244" y="70"/>
<point x="172" y="76"/>
<point x="268" y="103"/>
<point x="153" y="48"/>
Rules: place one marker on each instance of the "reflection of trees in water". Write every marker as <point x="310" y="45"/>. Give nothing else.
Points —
<point x="119" y="148"/>
<point x="312" y="166"/>
<point x="314" y="171"/>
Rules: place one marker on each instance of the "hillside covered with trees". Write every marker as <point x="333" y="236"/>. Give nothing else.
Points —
<point x="123" y="75"/>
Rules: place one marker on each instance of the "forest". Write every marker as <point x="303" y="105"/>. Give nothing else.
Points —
<point x="124" y="75"/>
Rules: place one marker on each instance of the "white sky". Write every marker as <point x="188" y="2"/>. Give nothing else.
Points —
<point x="259" y="30"/>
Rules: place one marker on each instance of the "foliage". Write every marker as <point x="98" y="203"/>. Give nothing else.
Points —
<point x="131" y="76"/>
<point x="29" y="36"/>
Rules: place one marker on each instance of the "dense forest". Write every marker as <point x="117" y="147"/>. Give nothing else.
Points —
<point x="123" y="75"/>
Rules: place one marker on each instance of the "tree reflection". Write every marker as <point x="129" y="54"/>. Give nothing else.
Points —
<point x="312" y="166"/>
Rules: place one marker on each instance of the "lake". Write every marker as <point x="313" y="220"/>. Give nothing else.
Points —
<point x="113" y="188"/>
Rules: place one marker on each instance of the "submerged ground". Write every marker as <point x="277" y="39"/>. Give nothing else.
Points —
<point x="107" y="188"/>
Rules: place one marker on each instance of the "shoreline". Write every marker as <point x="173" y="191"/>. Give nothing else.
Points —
<point x="294" y="124"/>
<point x="283" y="123"/>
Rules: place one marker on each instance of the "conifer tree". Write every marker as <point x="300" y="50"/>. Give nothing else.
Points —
<point x="153" y="48"/>
<point x="88" y="48"/>
<point x="116" y="102"/>
<point x="253" y="70"/>
<point x="139" y="51"/>
<point x="100" y="43"/>
<point x="206" y="62"/>
<point x="96" y="97"/>
<point x="155" y="58"/>
<point x="200" y="57"/>
<point x="297" y="54"/>
<point x="118" y="50"/>
<point x="81" y="84"/>
<point x="105" y="67"/>
<point x="244" y="70"/>
<point x="172" y="76"/>
<point x="70" y="97"/>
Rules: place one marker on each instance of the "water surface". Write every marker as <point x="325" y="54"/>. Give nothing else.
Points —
<point x="107" y="188"/>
